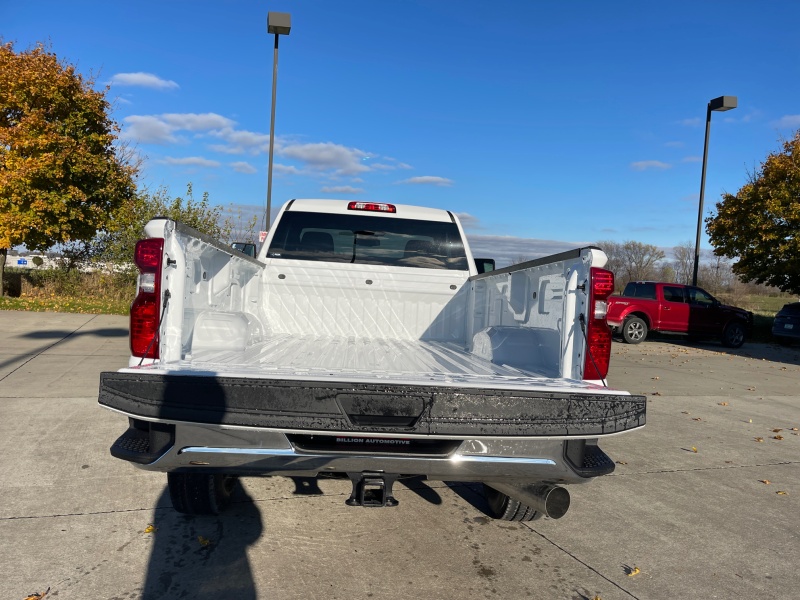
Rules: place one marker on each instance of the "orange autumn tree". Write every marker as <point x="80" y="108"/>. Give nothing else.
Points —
<point x="759" y="227"/>
<point x="61" y="175"/>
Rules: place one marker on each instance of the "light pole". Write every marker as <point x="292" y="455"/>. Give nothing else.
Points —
<point x="717" y="104"/>
<point x="279" y="24"/>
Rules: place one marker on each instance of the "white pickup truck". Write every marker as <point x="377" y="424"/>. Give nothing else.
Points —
<point x="362" y="343"/>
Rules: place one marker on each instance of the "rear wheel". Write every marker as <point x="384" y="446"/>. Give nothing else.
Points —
<point x="507" y="509"/>
<point x="200" y="493"/>
<point x="634" y="330"/>
<point x="733" y="336"/>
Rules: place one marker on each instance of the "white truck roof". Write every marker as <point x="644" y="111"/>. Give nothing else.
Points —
<point x="404" y="211"/>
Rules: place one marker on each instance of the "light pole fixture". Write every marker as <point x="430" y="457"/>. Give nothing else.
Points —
<point x="720" y="104"/>
<point x="279" y="24"/>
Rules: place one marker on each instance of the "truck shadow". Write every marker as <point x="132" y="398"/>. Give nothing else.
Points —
<point x="767" y="351"/>
<point x="63" y="334"/>
<point x="57" y="336"/>
<point x="472" y="494"/>
<point x="203" y="558"/>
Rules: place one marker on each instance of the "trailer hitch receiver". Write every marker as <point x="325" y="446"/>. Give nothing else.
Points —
<point x="372" y="490"/>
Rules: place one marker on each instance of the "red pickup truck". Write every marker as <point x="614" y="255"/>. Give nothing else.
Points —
<point x="674" y="308"/>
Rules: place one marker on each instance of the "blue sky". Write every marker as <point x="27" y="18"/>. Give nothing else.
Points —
<point x="545" y="125"/>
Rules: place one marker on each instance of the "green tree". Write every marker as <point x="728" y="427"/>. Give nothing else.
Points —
<point x="61" y="175"/>
<point x="118" y="245"/>
<point x="760" y="225"/>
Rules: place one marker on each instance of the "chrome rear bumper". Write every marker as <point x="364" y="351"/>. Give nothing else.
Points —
<point x="257" y="451"/>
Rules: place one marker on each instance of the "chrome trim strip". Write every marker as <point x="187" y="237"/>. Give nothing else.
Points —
<point x="519" y="460"/>
<point x="292" y="453"/>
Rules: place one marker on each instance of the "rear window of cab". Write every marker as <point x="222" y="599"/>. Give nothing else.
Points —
<point x="368" y="240"/>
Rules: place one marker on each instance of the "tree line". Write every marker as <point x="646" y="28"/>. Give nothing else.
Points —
<point x="636" y="261"/>
<point x="67" y="181"/>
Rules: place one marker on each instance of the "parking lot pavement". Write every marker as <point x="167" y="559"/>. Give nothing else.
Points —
<point x="688" y="505"/>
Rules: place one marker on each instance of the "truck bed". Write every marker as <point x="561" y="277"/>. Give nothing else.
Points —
<point x="397" y="386"/>
<point x="365" y="360"/>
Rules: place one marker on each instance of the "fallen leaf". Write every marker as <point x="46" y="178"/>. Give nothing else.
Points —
<point x="655" y="378"/>
<point x="722" y="403"/>
<point x="150" y="529"/>
<point x="696" y="419"/>
<point x="794" y="428"/>
<point x="597" y="597"/>
<point x="778" y="430"/>
<point x="694" y="449"/>
<point x="621" y="462"/>
<point x="634" y="571"/>
<point x="656" y="393"/>
<point x="203" y="541"/>
<point x="782" y="493"/>
<point x="37" y="595"/>
<point x="777" y="437"/>
<point x="759" y="439"/>
<point x="765" y="481"/>
<point x="685" y="412"/>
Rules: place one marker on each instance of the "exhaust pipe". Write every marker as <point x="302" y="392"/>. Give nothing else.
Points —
<point x="550" y="500"/>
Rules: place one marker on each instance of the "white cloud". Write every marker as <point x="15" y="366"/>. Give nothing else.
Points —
<point x="327" y="156"/>
<point x="240" y="141"/>
<point x="644" y="165"/>
<point x="143" y="80"/>
<point x="692" y="159"/>
<point x="196" y="122"/>
<point x="244" y="167"/>
<point x="693" y="122"/>
<point x="428" y="180"/>
<point x="674" y="144"/>
<point x="469" y="221"/>
<point x="328" y="159"/>
<point x="286" y="169"/>
<point x="191" y="161"/>
<point x="342" y="189"/>
<point x="161" y="129"/>
<point x="147" y="130"/>
<point x="788" y="121"/>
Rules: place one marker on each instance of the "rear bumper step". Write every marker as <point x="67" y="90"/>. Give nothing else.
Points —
<point x="358" y="407"/>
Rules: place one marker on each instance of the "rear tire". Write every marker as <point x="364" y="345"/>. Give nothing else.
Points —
<point x="200" y="494"/>
<point x="634" y="330"/>
<point x="507" y="509"/>
<point x="733" y="336"/>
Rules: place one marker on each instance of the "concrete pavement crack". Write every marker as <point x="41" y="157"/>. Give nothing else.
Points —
<point x="575" y="558"/>
<point x="718" y="468"/>
<point x="87" y="514"/>
<point x="46" y="348"/>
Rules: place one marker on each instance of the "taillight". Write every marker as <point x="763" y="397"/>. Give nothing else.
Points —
<point x="598" y="333"/>
<point x="372" y="206"/>
<point x="146" y="308"/>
